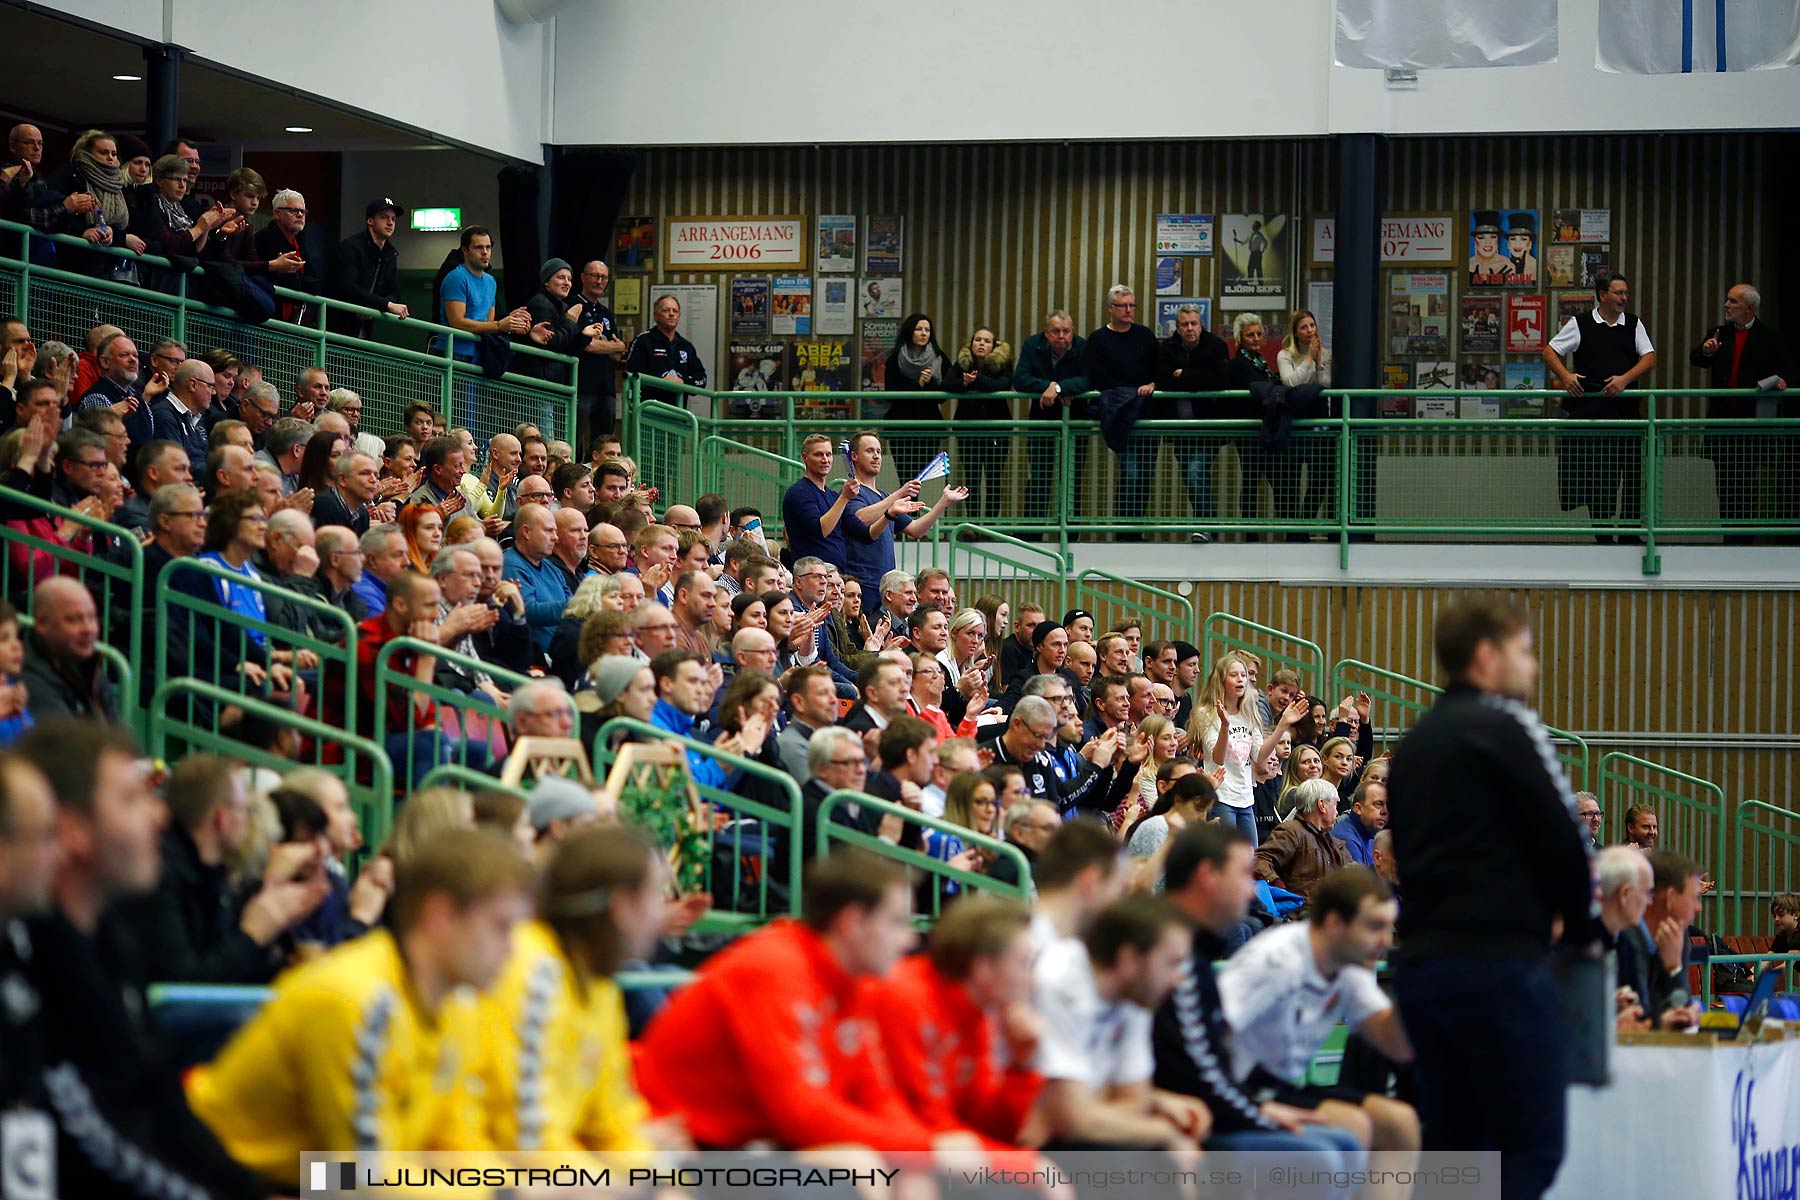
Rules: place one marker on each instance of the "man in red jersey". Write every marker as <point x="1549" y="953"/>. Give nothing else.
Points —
<point x="773" y="1041"/>
<point x="941" y="1013"/>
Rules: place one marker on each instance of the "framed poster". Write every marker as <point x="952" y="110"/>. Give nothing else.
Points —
<point x="1524" y="377"/>
<point x="628" y="296"/>
<point x="833" y="309"/>
<point x="1435" y="375"/>
<point x="749" y="306"/>
<point x="1418" y="314"/>
<point x="1168" y="276"/>
<point x="790" y="304"/>
<point x="1167" y="306"/>
<point x="880" y="297"/>
<point x="700" y="323"/>
<point x="1254" y="254"/>
<point x="1572" y="304"/>
<point x="1581" y="225"/>
<point x="1480" y="374"/>
<point x="1396" y="375"/>
<point x="1184" y="233"/>
<point x="1526" y="317"/>
<point x="756" y="367"/>
<point x="634" y="244"/>
<point x="823" y="366"/>
<point x="883" y="245"/>
<point x="837" y="244"/>
<point x="735" y="243"/>
<point x="1503" y="247"/>
<point x="1426" y="239"/>
<point x="878" y="338"/>
<point x="1481" y="320"/>
<point x="1592" y="258"/>
<point x="1560" y="269"/>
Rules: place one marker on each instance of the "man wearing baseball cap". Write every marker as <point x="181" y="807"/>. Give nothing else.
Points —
<point x="368" y="270"/>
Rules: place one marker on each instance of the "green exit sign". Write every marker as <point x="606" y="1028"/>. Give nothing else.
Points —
<point x="437" y="220"/>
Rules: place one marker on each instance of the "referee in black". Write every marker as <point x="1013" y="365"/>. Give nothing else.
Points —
<point x="1495" y="874"/>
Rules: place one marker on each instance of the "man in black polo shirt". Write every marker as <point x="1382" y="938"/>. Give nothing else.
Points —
<point x="1611" y="351"/>
<point x="660" y="352"/>
<point x="1121" y="363"/>
<point x="596" y="403"/>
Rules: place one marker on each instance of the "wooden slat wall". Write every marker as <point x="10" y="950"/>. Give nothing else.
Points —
<point x="999" y="234"/>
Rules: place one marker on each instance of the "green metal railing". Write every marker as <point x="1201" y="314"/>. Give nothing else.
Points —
<point x="475" y="718"/>
<point x="469" y="780"/>
<point x="781" y="826"/>
<point x="1520" y="478"/>
<point x="986" y="560"/>
<point x="110" y="571"/>
<point x="1277" y="648"/>
<point x="1686" y="822"/>
<point x="1164" y="615"/>
<point x="749" y="475"/>
<point x="182" y="618"/>
<point x="1706" y="975"/>
<point x="66" y="304"/>
<point x="1754" y="816"/>
<point x="936" y="872"/>
<point x="360" y="763"/>
<point x="1399" y="700"/>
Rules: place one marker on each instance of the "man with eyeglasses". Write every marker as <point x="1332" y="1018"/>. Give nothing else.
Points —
<point x="117" y="388"/>
<point x="104" y="422"/>
<point x="340" y="566"/>
<point x="1121" y="366"/>
<point x="178" y="417"/>
<point x="80" y="463"/>
<point x="607" y="551"/>
<point x="159" y="464"/>
<point x="259" y="410"/>
<point x="43" y="206"/>
<point x="294" y="252"/>
<point x="1588" y="817"/>
<point x="350" y="502"/>
<point x="165" y="356"/>
<point x="595" y="389"/>
<point x="1033" y="741"/>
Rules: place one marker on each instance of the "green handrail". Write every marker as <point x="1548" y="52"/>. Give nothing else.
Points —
<point x="1167" y="625"/>
<point x="456" y="775"/>
<point x="789" y="818"/>
<point x="171" y="602"/>
<point x="464" y="704"/>
<point x="1744" y="820"/>
<point x="122" y="577"/>
<point x="762" y="487"/>
<point x="1306" y="658"/>
<point x="374" y="800"/>
<point x="1706" y="969"/>
<point x="1571" y="749"/>
<point x="1050" y="579"/>
<point x="1612" y="778"/>
<point x="938" y="870"/>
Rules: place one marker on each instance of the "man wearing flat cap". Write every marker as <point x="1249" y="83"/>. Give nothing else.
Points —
<point x="1487" y="266"/>
<point x="368" y="270"/>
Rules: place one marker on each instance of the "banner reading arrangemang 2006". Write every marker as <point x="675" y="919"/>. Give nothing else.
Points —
<point x="735" y="243"/>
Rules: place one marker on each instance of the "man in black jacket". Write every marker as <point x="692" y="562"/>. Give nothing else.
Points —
<point x="297" y="253"/>
<point x="1207" y="876"/>
<point x="63" y="670"/>
<point x="1496" y="874"/>
<point x="1742" y="353"/>
<point x="1054" y="365"/>
<point x="368" y="270"/>
<point x="1194" y="359"/>
<point x="124" y="1126"/>
<point x="189" y="929"/>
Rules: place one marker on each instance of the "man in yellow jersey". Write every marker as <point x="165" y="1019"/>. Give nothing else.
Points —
<point x="367" y="1048"/>
<point x="558" y="1072"/>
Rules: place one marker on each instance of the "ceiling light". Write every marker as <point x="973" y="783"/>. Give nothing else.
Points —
<point x="129" y="78"/>
<point x="299" y="129"/>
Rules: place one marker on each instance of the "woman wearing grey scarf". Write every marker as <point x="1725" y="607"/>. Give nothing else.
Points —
<point x="94" y="169"/>
<point x="917" y="364"/>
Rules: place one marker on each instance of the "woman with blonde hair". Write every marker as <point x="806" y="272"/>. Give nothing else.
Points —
<point x="1304" y="360"/>
<point x="985" y="365"/>
<point x="426" y="813"/>
<point x="1225" y="728"/>
<point x="1340" y="766"/>
<point x="967" y="650"/>
<point x="566" y="662"/>
<point x="94" y="169"/>
<point x="970" y="802"/>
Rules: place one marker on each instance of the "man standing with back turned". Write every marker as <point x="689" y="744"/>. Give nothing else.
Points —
<point x="1494" y="878"/>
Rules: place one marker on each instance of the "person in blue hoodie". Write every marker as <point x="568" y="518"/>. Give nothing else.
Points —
<point x="15" y="701"/>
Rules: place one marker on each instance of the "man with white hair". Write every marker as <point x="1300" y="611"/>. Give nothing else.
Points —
<point x="458" y="573"/>
<point x="1303" y="849"/>
<point x="1121" y="366"/>
<point x="899" y="596"/>
<point x="1743" y="352"/>
<point x="1624" y="878"/>
<point x="350" y="501"/>
<point x="296" y="254"/>
<point x="541" y="708"/>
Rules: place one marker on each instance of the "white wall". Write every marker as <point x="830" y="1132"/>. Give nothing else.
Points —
<point x="805" y="71"/>
<point x="423" y="178"/>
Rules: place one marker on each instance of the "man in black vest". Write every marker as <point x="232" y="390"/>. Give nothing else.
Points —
<point x="1742" y="353"/>
<point x="1611" y="351"/>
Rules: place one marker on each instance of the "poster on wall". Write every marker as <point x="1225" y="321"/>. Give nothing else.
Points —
<point x="1503" y="247"/>
<point x="1418" y="314"/>
<point x="1524" y="377"/>
<point x="628" y="296"/>
<point x="1254" y="252"/>
<point x="1485" y="407"/>
<point x="880" y="297"/>
<point x="834" y="311"/>
<point x="1481" y="319"/>
<point x="836" y="250"/>
<point x="790" y="304"/>
<point x="700" y="323"/>
<point x="1435" y="375"/>
<point x="1593" y="259"/>
<point x="756" y="367"/>
<point x="1581" y="225"/>
<point x="1425" y="239"/>
<point x="634" y="244"/>
<point x="1481" y="374"/>
<point x="1168" y="277"/>
<point x="1184" y="233"/>
<point x="749" y="306"/>
<point x="883" y="246"/>
<point x="1168" y="306"/>
<point x="1570" y="305"/>
<point x="1560" y="264"/>
<point x="823" y="366"/>
<point x="735" y="243"/>
<point x="1525" y="320"/>
<point x="1318" y="299"/>
<point x="878" y="338"/>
